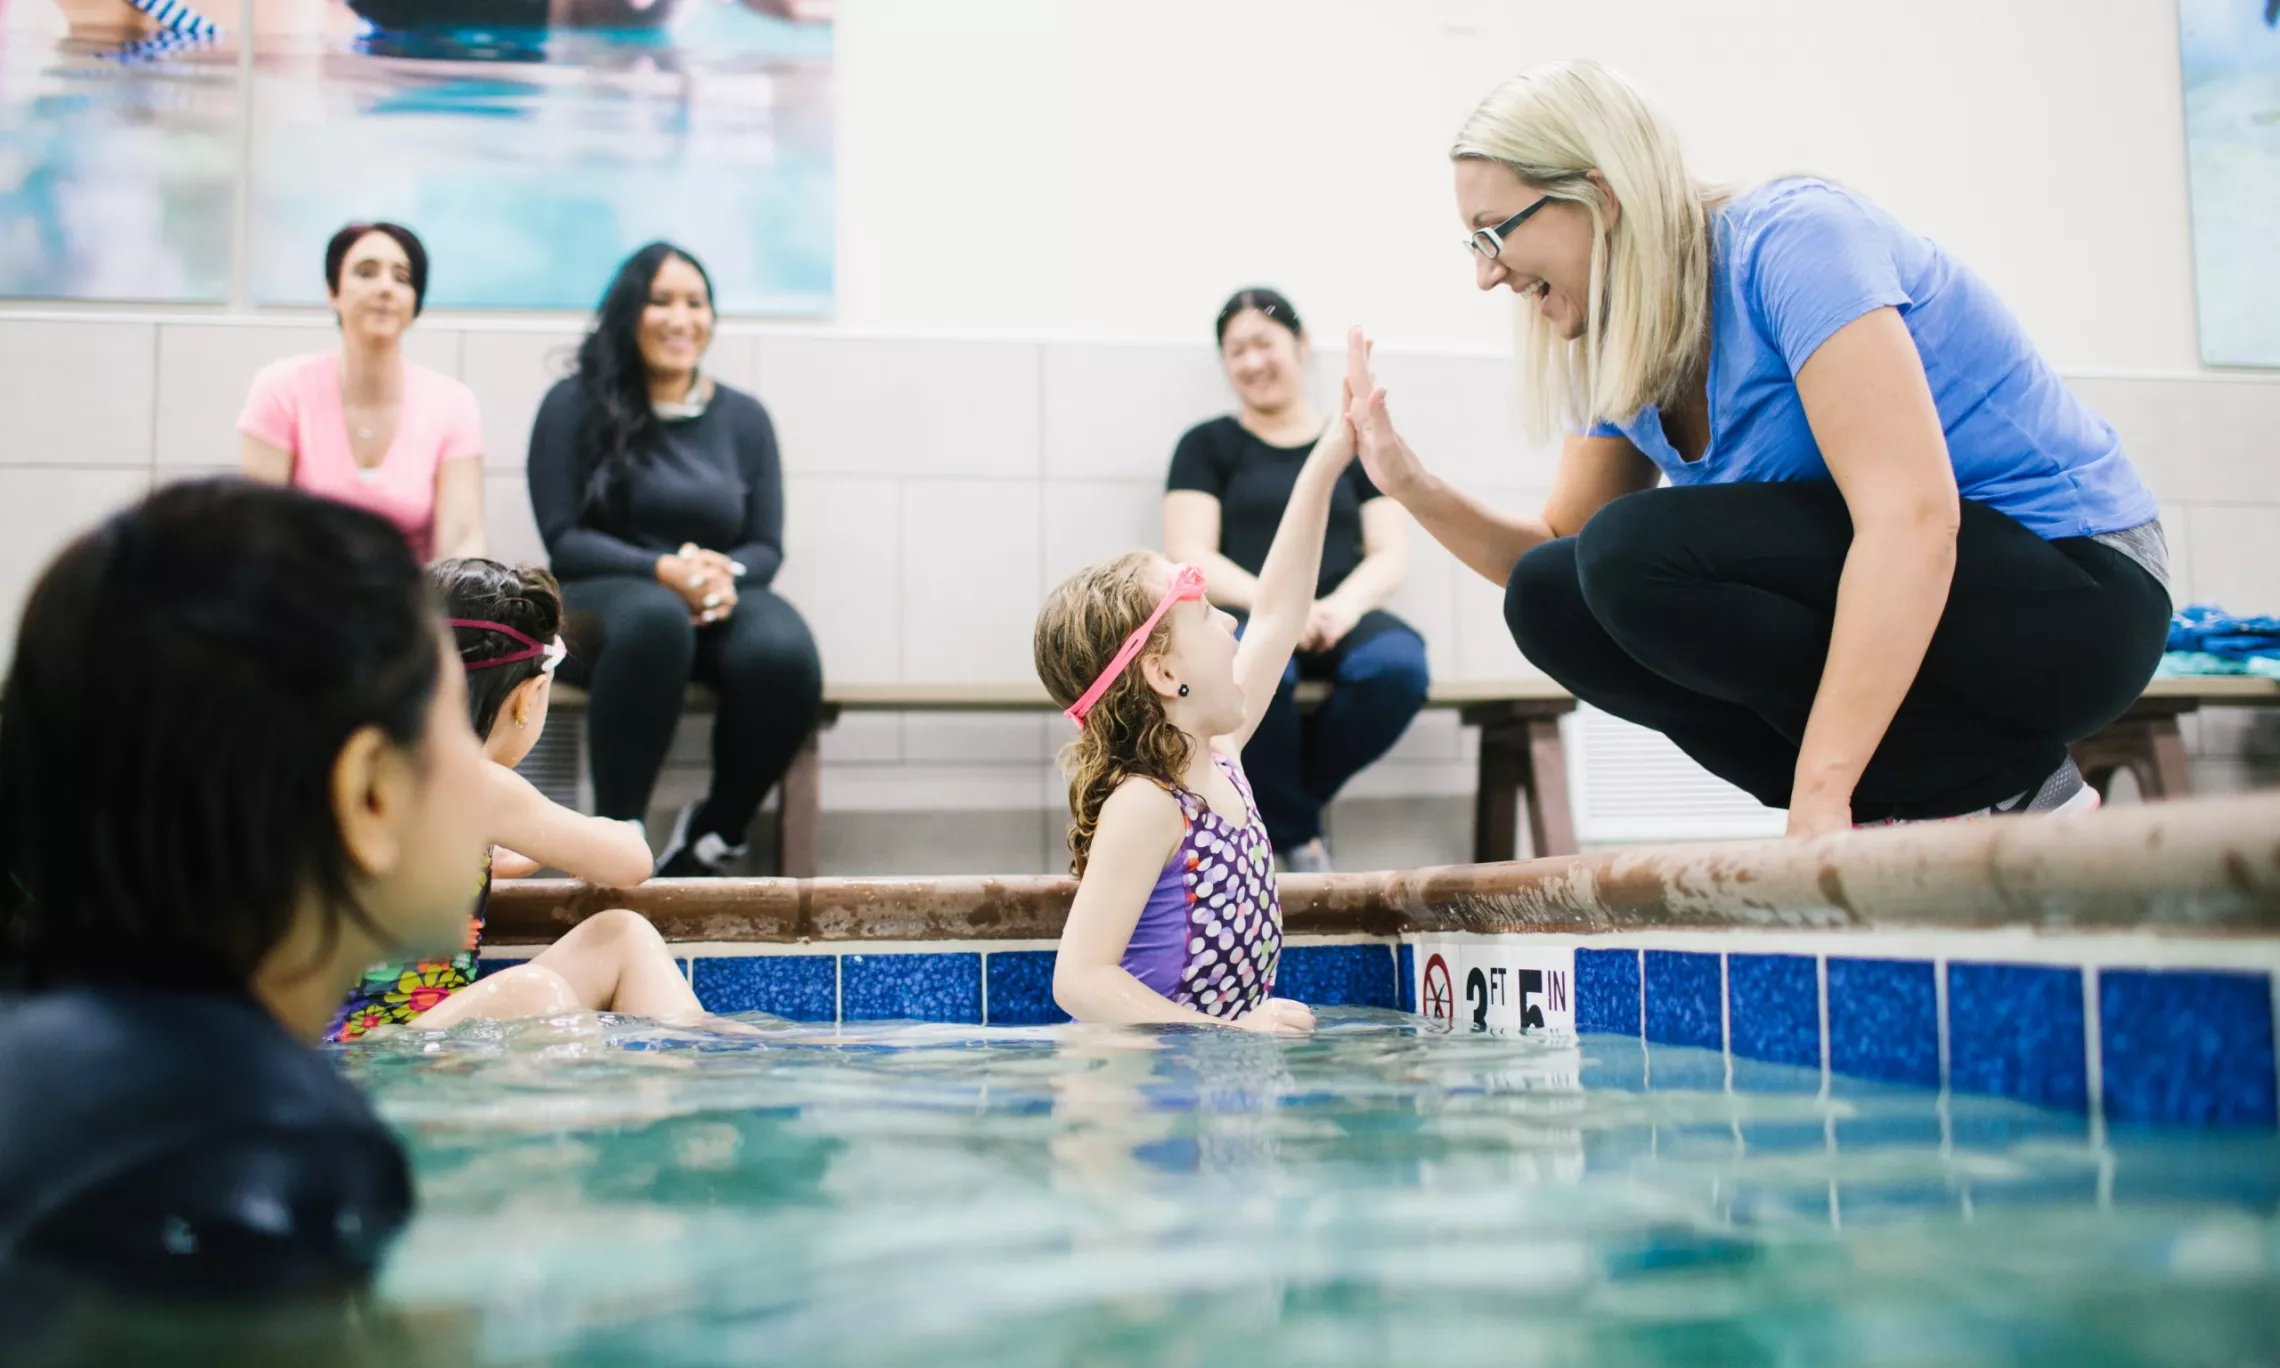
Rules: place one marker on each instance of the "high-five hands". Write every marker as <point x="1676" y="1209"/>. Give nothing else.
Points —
<point x="1391" y="465"/>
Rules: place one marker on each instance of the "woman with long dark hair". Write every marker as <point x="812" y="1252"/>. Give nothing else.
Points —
<point x="661" y="499"/>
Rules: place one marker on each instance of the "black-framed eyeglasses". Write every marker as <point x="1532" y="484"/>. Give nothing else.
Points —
<point x="1488" y="243"/>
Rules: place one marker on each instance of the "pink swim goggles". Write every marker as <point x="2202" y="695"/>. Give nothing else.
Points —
<point x="532" y="648"/>
<point x="1187" y="583"/>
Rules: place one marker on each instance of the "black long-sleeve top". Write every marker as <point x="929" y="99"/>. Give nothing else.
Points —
<point x="714" y="480"/>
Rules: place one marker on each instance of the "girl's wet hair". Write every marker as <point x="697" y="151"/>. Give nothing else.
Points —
<point x="415" y="256"/>
<point x="1266" y="301"/>
<point x="616" y="380"/>
<point x="1079" y="630"/>
<point x="185" y="679"/>
<point x="525" y="597"/>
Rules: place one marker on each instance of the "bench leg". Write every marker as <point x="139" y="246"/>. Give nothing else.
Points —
<point x="1551" y="824"/>
<point x="799" y="814"/>
<point x="2152" y="749"/>
<point x="2172" y="771"/>
<point x="1504" y="761"/>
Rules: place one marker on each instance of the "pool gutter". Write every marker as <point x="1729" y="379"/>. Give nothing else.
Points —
<point x="2207" y="867"/>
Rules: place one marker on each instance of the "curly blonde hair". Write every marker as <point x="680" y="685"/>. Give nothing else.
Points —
<point x="1126" y="735"/>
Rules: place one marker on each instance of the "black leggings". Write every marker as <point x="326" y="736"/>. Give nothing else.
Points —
<point x="635" y="650"/>
<point x="1704" y="612"/>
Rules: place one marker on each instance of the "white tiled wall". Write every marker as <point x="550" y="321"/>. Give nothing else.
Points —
<point x="936" y="489"/>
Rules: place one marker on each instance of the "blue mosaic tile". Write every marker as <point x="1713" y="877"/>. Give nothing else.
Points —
<point x="795" y="987"/>
<point x="486" y="965"/>
<point x="1884" y="1020"/>
<point x="1407" y="976"/>
<point x="1607" y="991"/>
<point x="1021" y="989"/>
<point x="1773" y="1008"/>
<point x="1336" y="975"/>
<point x="2186" y="1047"/>
<point x="1682" y="999"/>
<point x="913" y="987"/>
<point x="2015" y="1030"/>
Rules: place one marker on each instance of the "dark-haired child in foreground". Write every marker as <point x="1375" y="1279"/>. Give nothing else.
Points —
<point x="507" y="622"/>
<point x="235" y="768"/>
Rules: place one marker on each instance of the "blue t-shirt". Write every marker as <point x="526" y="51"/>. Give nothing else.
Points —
<point x="1798" y="259"/>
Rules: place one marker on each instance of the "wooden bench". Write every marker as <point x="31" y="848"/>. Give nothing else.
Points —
<point x="2147" y="741"/>
<point x="1523" y="764"/>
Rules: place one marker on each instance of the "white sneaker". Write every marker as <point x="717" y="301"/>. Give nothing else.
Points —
<point x="699" y="859"/>
<point x="2064" y="791"/>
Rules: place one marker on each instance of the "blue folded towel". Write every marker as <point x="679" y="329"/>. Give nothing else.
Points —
<point x="2208" y="630"/>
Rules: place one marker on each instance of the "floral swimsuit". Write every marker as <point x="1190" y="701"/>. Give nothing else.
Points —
<point x="393" y="994"/>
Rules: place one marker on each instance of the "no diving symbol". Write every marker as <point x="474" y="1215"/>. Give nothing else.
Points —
<point x="1439" y="999"/>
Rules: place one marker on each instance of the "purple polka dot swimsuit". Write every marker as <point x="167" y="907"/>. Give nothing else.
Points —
<point x="1211" y="934"/>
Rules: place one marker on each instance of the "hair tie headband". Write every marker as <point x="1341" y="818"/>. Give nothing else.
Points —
<point x="532" y="649"/>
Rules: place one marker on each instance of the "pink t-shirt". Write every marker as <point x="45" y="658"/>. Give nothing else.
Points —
<point x="295" y="406"/>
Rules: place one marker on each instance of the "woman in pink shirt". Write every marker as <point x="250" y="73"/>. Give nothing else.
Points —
<point x="363" y="425"/>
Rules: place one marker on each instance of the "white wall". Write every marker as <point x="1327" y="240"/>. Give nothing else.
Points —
<point x="1040" y="166"/>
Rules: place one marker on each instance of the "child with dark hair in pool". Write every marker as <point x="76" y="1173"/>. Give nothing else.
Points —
<point x="507" y="622"/>
<point x="1175" y="918"/>
<point x="234" y="769"/>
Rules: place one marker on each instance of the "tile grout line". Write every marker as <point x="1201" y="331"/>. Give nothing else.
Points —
<point x="2094" y="1084"/>
<point x="1726" y="1028"/>
<point x="1940" y="1020"/>
<point x="1821" y="986"/>
<point x="1726" y="1039"/>
<point x="838" y="992"/>
<point x="1646" y="1056"/>
<point x="985" y="972"/>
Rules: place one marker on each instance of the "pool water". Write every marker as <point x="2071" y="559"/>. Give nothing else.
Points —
<point x="598" y="1191"/>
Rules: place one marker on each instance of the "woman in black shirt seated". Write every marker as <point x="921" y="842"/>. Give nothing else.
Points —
<point x="235" y="770"/>
<point x="1230" y="479"/>
<point x="659" y="494"/>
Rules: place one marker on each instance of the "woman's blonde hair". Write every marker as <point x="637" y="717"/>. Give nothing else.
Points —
<point x="1647" y="322"/>
<point x="1079" y="630"/>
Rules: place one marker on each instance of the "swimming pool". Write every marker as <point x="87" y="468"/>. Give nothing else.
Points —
<point x="1974" y="1095"/>
<point x="1984" y="1094"/>
<point x="600" y="1192"/>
